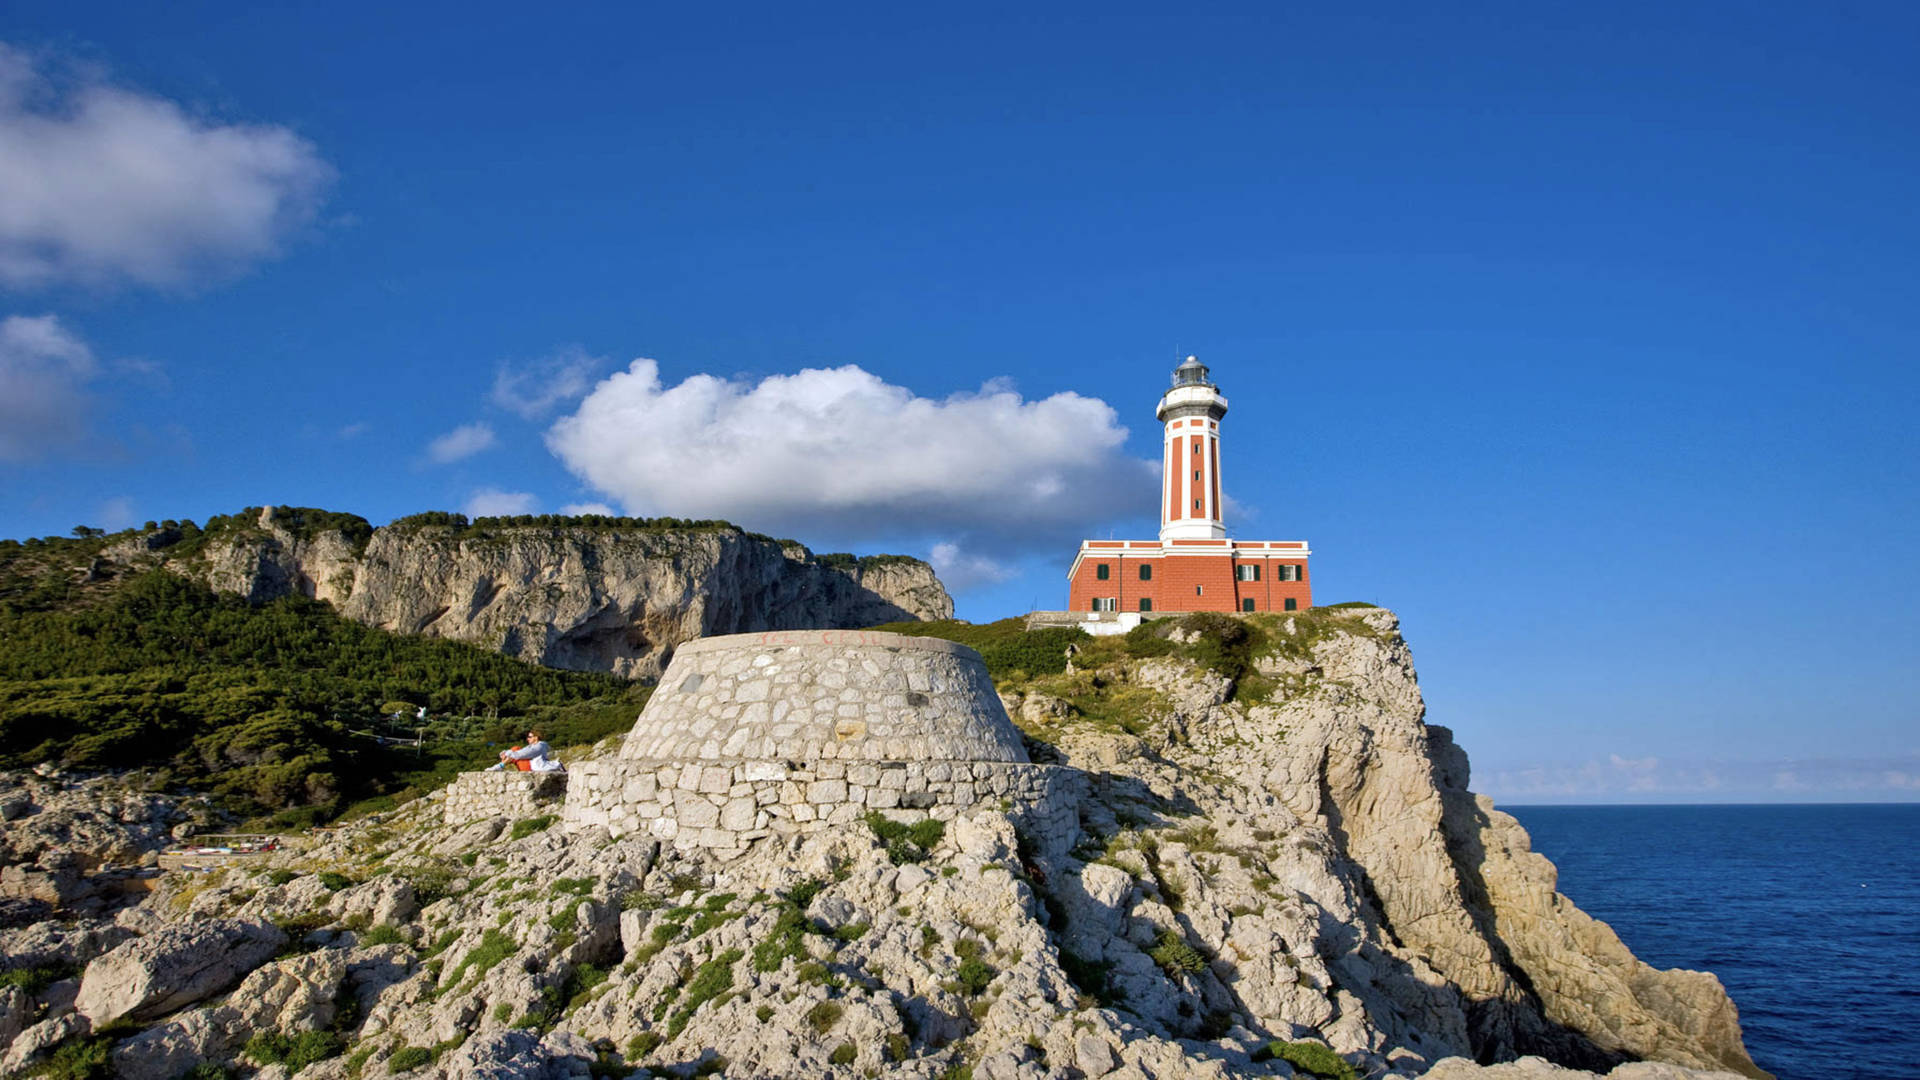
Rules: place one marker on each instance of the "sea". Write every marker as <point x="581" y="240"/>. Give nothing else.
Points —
<point x="1810" y="916"/>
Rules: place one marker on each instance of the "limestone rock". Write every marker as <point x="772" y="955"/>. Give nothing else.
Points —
<point x="175" y="966"/>
<point x="589" y="599"/>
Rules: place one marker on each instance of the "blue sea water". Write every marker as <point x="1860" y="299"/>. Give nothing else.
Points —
<point x="1810" y="916"/>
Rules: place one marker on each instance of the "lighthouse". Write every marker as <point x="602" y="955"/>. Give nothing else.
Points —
<point x="1191" y="411"/>
<point x="1194" y="565"/>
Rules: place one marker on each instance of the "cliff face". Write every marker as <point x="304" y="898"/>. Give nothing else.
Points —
<point x="1293" y="860"/>
<point x="1460" y="936"/>
<point x="583" y="598"/>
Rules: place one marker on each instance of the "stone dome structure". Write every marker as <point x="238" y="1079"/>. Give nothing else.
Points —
<point x="794" y="731"/>
<point x="824" y="695"/>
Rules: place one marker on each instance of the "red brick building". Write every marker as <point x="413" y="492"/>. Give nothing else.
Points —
<point x="1194" y="566"/>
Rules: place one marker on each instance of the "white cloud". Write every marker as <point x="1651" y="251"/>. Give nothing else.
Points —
<point x="584" y="509"/>
<point x="536" y="389"/>
<point x="105" y="183"/>
<point x="462" y="442"/>
<point x="353" y="430"/>
<point x="492" y="502"/>
<point x="841" y="453"/>
<point x="44" y="373"/>
<point x="960" y="570"/>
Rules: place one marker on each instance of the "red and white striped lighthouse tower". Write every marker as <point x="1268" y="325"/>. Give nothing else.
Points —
<point x="1191" y="410"/>
<point x="1194" y="565"/>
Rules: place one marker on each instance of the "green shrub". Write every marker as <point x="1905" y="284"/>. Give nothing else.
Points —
<point x="641" y="1045"/>
<point x="851" y="932"/>
<point x="973" y="976"/>
<point x="297" y="1052"/>
<point x="384" y="934"/>
<point x="843" y="1054"/>
<point x="897" y="1047"/>
<point x="763" y="1014"/>
<point x="334" y="880"/>
<point x="35" y="979"/>
<point x="804" y="891"/>
<point x="80" y="1059"/>
<point x="1175" y="956"/>
<point x="905" y="843"/>
<point x="408" y="1058"/>
<point x="1308" y="1057"/>
<point x="208" y="1070"/>
<point x="281" y="877"/>
<point x="823" y="1016"/>
<point x="1007" y="646"/>
<point x="787" y="940"/>
<point x="709" y="981"/>
<point x="526" y="827"/>
<point x="494" y="947"/>
<point x="571" y="886"/>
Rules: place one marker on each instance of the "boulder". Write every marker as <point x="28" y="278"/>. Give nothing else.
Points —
<point x="148" y="977"/>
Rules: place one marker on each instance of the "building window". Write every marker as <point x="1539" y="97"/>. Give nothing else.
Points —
<point x="1146" y="571"/>
<point x="1146" y="604"/>
<point x="1246" y="603"/>
<point x="1196" y="504"/>
<point x="1199" y="590"/>
<point x="1289" y="571"/>
<point x="1105" y="603"/>
<point x="1247" y="572"/>
<point x="1196" y="476"/>
<point x="1292" y="604"/>
<point x="1102" y="571"/>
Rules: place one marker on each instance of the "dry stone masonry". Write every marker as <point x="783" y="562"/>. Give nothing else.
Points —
<point x="508" y="793"/>
<point x="785" y="732"/>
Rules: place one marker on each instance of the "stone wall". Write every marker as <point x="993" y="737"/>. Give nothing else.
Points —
<point x="476" y="796"/>
<point x="824" y="695"/>
<point x="728" y="805"/>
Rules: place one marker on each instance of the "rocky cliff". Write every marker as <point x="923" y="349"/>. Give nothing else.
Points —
<point x="585" y="596"/>
<point x="1280" y="872"/>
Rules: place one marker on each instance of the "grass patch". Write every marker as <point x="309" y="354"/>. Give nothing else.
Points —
<point x="843" y="1054"/>
<point x="296" y="1052"/>
<point x="408" y="1058"/>
<point x="906" y="843"/>
<point x="1309" y="1058"/>
<point x="526" y="827"/>
<point x="786" y="941"/>
<point x="493" y="948"/>
<point x="823" y="1016"/>
<point x="710" y="980"/>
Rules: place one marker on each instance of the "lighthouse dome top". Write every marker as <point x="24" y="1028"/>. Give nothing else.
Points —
<point x="1191" y="372"/>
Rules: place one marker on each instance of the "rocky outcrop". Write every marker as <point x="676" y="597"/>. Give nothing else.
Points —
<point x="1450" y="883"/>
<point x="1292" y="868"/>
<point x="578" y="596"/>
<point x="177" y="965"/>
<point x="60" y="831"/>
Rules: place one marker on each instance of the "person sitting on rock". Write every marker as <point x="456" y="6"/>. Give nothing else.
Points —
<point x="535" y="753"/>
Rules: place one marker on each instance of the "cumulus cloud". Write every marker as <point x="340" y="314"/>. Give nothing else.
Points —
<point x="45" y="370"/>
<point x="105" y="183"/>
<point x="492" y="502"/>
<point x="589" y="508"/>
<point x="534" y="390"/>
<point x="960" y="570"/>
<point x="462" y="442"/>
<point x="840" y="452"/>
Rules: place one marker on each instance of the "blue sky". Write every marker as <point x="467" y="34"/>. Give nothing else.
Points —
<point x="1583" y="337"/>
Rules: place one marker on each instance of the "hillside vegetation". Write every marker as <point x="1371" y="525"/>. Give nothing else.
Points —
<point x="273" y="709"/>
